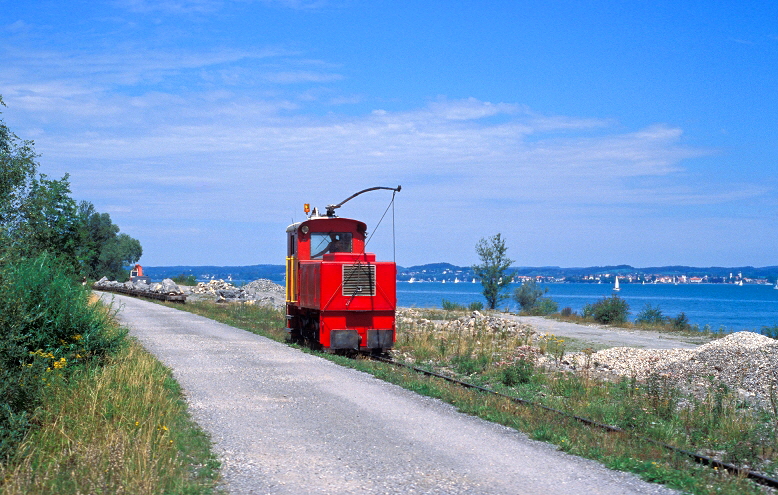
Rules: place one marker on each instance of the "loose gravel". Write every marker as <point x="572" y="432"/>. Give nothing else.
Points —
<point x="744" y="361"/>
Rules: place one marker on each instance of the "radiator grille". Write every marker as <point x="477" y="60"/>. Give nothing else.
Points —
<point x="358" y="280"/>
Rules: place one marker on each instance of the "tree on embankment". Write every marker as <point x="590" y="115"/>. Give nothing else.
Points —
<point x="493" y="269"/>
<point x="38" y="215"/>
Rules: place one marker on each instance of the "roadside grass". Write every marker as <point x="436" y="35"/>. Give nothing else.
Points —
<point x="259" y="319"/>
<point x="120" y="428"/>
<point x="716" y="424"/>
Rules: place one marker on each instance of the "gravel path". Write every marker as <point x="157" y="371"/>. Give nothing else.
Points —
<point x="609" y="336"/>
<point x="285" y="422"/>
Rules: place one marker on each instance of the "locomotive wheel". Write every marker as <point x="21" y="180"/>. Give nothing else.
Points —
<point x="295" y="337"/>
<point x="382" y="353"/>
<point x="310" y="332"/>
<point x="295" y="332"/>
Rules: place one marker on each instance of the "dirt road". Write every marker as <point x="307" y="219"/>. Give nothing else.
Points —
<point x="602" y="336"/>
<point x="286" y="422"/>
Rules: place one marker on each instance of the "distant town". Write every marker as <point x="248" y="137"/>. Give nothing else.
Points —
<point x="448" y="273"/>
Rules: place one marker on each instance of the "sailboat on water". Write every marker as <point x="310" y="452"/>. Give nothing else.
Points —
<point x="616" y="287"/>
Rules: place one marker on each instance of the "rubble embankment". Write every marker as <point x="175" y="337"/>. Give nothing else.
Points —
<point x="260" y="291"/>
<point x="744" y="361"/>
<point x="165" y="288"/>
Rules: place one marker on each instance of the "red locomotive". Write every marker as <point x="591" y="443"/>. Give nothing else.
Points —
<point x="337" y="295"/>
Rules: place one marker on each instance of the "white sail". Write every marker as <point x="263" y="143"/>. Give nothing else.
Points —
<point x="616" y="285"/>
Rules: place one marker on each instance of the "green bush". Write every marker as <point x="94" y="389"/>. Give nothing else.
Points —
<point x="517" y="373"/>
<point x="567" y="311"/>
<point x="608" y="310"/>
<point x="452" y="306"/>
<point x="528" y="294"/>
<point x="529" y="297"/>
<point x="47" y="328"/>
<point x="545" y="306"/>
<point x="680" y="322"/>
<point x="650" y="315"/>
<point x="467" y="363"/>
<point x="771" y="332"/>
<point x="185" y="279"/>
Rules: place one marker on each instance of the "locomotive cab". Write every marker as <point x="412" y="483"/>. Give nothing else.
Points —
<point x="337" y="295"/>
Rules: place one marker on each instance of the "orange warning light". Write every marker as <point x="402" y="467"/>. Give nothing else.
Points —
<point x="307" y="207"/>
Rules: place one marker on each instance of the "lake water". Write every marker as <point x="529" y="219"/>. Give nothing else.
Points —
<point x="748" y="307"/>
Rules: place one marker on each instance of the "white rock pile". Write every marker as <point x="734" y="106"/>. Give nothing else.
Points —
<point x="167" y="286"/>
<point x="261" y="291"/>
<point x="412" y="317"/>
<point x="744" y="361"/>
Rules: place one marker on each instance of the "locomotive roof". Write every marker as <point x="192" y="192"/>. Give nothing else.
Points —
<point x="297" y="225"/>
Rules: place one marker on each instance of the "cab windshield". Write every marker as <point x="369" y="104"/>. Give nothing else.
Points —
<point x="329" y="242"/>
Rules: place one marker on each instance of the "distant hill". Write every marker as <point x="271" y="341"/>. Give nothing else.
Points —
<point x="447" y="271"/>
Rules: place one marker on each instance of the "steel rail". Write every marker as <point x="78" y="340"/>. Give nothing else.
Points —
<point x="699" y="458"/>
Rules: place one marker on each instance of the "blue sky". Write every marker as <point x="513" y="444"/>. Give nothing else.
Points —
<point x="587" y="133"/>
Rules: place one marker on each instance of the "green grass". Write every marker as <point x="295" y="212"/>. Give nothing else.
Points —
<point x="83" y="409"/>
<point x="716" y="424"/>
<point x="120" y="428"/>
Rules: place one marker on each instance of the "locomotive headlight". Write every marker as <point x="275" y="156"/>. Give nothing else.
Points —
<point x="304" y="229"/>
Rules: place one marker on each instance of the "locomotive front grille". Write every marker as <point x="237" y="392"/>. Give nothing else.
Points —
<point x="358" y="280"/>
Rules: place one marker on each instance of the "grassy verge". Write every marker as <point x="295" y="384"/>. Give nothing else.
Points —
<point x="119" y="428"/>
<point x="718" y="424"/>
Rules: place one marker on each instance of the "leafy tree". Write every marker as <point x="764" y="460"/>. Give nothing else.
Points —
<point x="104" y="251"/>
<point x="527" y="294"/>
<point x="530" y="298"/>
<point x="38" y="215"/>
<point x="117" y="253"/>
<point x="493" y="270"/>
<point x="49" y="220"/>
<point x="17" y="168"/>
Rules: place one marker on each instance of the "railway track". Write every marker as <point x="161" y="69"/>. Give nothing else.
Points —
<point x="699" y="458"/>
